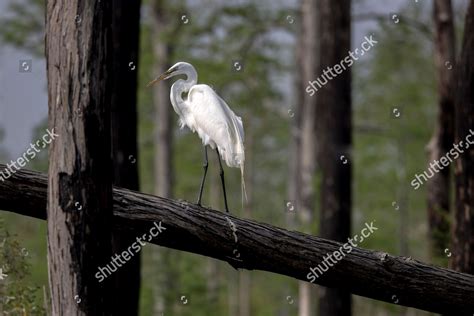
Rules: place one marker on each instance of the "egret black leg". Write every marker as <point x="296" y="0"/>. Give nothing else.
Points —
<point x="221" y="173"/>
<point x="205" y="165"/>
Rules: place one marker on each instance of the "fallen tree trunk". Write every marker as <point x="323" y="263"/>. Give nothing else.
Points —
<point x="257" y="246"/>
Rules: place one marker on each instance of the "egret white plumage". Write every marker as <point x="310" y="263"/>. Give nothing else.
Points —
<point x="204" y="112"/>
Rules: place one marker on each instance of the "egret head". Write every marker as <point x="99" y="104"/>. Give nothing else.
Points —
<point x="179" y="68"/>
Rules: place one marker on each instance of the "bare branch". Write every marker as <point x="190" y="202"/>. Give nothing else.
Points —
<point x="260" y="246"/>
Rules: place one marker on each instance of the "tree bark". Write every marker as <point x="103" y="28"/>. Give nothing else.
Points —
<point x="78" y="54"/>
<point x="334" y="130"/>
<point x="203" y="231"/>
<point x="463" y="234"/>
<point x="439" y="188"/>
<point x="125" y="33"/>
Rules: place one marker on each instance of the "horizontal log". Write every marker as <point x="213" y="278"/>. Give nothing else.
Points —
<point x="252" y="245"/>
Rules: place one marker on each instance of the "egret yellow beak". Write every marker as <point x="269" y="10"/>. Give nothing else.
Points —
<point x="163" y="76"/>
<point x="156" y="80"/>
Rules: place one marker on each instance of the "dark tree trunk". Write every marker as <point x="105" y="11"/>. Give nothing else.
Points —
<point x="439" y="189"/>
<point x="334" y="130"/>
<point x="125" y="34"/>
<point x="199" y="230"/>
<point x="463" y="234"/>
<point x="79" y="64"/>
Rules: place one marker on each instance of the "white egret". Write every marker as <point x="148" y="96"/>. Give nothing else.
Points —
<point x="204" y="112"/>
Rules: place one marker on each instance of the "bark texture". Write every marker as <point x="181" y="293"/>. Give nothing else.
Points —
<point x="439" y="188"/>
<point x="334" y="131"/>
<point x="125" y="33"/>
<point x="78" y="48"/>
<point x="203" y="231"/>
<point x="463" y="235"/>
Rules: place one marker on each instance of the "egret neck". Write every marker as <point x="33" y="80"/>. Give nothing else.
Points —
<point x="182" y="86"/>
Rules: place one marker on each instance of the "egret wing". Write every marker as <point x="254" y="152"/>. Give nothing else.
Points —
<point x="217" y="124"/>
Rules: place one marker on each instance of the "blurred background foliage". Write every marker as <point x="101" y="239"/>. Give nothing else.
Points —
<point x="397" y="76"/>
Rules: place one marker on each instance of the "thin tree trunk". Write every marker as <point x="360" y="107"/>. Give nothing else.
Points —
<point x="245" y="289"/>
<point x="163" y="162"/>
<point x="212" y="264"/>
<point x="402" y="203"/>
<point x="163" y="109"/>
<point x="438" y="188"/>
<point x="79" y="71"/>
<point x="308" y="66"/>
<point x="402" y="196"/>
<point x="233" y="290"/>
<point x="334" y="114"/>
<point x="125" y="32"/>
<point x="463" y="233"/>
<point x="294" y="176"/>
<point x="244" y="293"/>
<point x="212" y="271"/>
<point x="306" y="154"/>
<point x="295" y="141"/>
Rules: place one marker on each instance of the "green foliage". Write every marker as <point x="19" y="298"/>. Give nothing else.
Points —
<point x="23" y="26"/>
<point x="17" y="295"/>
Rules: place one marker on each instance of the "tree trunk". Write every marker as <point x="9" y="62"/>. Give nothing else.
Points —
<point x="163" y="140"/>
<point x="463" y="234"/>
<point x="125" y="32"/>
<point x="438" y="187"/>
<point x="334" y="130"/>
<point x="306" y="154"/>
<point x="402" y="201"/>
<point x="244" y="293"/>
<point x="163" y="109"/>
<point x="79" y="71"/>
<point x="294" y="152"/>
<point x="195" y="229"/>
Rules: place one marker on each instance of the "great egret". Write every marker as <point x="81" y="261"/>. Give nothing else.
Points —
<point x="204" y="112"/>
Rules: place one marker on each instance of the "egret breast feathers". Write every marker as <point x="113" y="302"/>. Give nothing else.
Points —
<point x="216" y="124"/>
